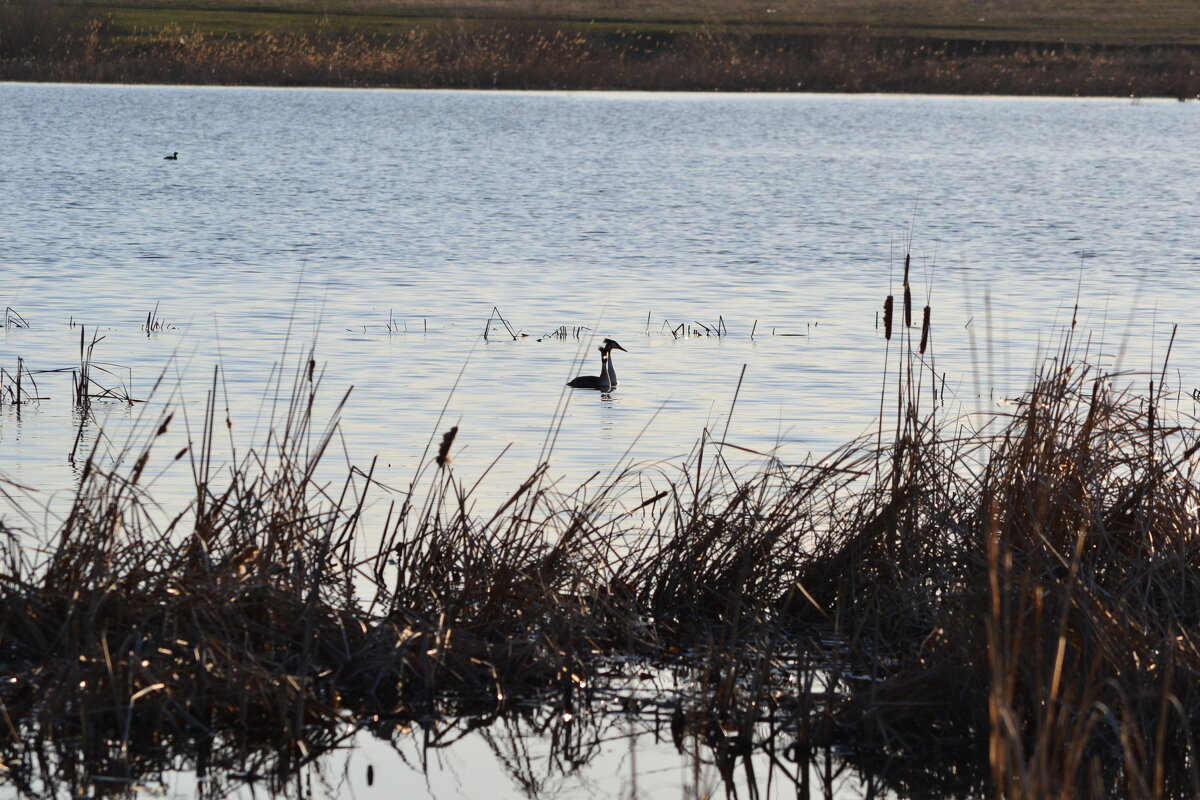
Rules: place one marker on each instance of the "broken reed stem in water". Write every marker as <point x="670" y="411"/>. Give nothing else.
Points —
<point x="12" y="319"/>
<point x="153" y="324"/>
<point x="82" y="395"/>
<point x="496" y="315"/>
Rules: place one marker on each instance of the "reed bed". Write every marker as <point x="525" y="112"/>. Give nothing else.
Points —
<point x="466" y="53"/>
<point x="1019" y="601"/>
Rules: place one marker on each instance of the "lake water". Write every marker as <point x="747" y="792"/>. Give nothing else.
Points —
<point x="386" y="225"/>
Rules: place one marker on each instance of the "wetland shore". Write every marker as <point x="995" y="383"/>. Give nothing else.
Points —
<point x="1012" y="601"/>
<point x="1152" y="50"/>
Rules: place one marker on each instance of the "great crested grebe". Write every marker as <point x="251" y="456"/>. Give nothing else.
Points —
<point x="602" y="381"/>
<point x="606" y="381"/>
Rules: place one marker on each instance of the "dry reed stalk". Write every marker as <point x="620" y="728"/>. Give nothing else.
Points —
<point x="12" y="319"/>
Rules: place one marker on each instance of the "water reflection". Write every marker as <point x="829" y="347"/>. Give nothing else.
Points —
<point x="533" y="752"/>
<point x="773" y="219"/>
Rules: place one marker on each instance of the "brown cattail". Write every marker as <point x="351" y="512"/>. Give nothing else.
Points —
<point x="887" y="317"/>
<point x="139" y="467"/>
<point x="907" y="292"/>
<point x="443" y="457"/>
<point x="924" y="330"/>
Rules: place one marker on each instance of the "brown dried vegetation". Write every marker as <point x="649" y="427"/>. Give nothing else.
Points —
<point x="71" y="44"/>
<point x="1019" y="601"/>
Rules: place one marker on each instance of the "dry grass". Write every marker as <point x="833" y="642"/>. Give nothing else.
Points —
<point x="1144" y="22"/>
<point x="324" y="51"/>
<point x="1019" y="601"/>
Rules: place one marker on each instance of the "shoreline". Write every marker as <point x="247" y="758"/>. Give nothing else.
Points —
<point x="728" y="94"/>
<point x="559" y="57"/>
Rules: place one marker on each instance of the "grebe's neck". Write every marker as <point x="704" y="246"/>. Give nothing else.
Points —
<point x="606" y="381"/>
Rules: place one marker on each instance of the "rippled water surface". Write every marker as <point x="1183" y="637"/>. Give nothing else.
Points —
<point x="386" y="225"/>
<point x="330" y="213"/>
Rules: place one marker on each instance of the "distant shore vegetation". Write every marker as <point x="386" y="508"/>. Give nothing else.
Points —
<point x="498" y="45"/>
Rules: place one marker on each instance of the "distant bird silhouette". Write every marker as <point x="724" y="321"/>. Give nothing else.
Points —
<point x="606" y="381"/>
<point x="172" y="157"/>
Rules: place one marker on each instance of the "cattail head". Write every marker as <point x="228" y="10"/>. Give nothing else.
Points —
<point x="924" y="330"/>
<point x="907" y="306"/>
<point x="444" y="458"/>
<point x="887" y="316"/>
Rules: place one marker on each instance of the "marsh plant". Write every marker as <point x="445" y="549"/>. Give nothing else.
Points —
<point x="78" y="42"/>
<point x="1017" y="598"/>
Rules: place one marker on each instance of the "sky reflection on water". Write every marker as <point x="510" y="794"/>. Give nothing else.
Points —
<point x="295" y="216"/>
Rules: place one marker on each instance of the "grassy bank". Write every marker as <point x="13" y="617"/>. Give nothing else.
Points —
<point x="1144" y="22"/>
<point x="845" y="47"/>
<point x="1018" y="601"/>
